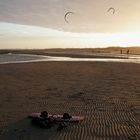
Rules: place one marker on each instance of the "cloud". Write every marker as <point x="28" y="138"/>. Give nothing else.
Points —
<point x="91" y="16"/>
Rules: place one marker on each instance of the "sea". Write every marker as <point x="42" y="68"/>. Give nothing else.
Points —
<point x="26" y="58"/>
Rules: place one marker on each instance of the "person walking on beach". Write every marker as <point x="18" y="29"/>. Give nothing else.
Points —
<point x="127" y="52"/>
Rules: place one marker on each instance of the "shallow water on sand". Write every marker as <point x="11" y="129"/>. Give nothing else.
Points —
<point x="20" y="58"/>
<point x="24" y="58"/>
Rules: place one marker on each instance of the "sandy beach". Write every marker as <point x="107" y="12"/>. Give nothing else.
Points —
<point x="107" y="94"/>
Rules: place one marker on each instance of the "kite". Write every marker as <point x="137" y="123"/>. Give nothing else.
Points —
<point x="111" y="9"/>
<point x="65" y="17"/>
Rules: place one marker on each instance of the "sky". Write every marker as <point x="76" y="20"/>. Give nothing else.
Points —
<point x="40" y="23"/>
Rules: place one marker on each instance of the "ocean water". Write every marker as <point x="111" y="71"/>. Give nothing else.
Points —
<point x="26" y="58"/>
<point x="21" y="58"/>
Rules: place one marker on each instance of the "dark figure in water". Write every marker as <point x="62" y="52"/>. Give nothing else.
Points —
<point x="127" y="52"/>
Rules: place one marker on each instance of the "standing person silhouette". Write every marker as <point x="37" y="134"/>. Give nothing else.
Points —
<point x="127" y="52"/>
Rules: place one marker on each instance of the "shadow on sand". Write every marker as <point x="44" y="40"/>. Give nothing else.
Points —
<point x="24" y="130"/>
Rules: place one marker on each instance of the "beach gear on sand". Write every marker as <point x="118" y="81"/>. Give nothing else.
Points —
<point x="44" y="114"/>
<point x="43" y="121"/>
<point x="66" y="116"/>
<point x="46" y="120"/>
<point x="61" y="126"/>
<point x="59" y="118"/>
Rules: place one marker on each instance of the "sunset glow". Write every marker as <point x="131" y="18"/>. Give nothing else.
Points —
<point x="21" y="36"/>
<point x="41" y="24"/>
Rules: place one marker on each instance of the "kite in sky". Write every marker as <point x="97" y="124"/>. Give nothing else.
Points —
<point x="66" y="15"/>
<point x="111" y="9"/>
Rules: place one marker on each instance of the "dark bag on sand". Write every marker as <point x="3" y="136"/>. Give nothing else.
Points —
<point x="66" y="116"/>
<point x="44" y="123"/>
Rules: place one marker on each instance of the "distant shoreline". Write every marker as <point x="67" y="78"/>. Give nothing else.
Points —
<point x="11" y="58"/>
<point x="73" y="53"/>
<point x="134" y="50"/>
<point x="78" y="55"/>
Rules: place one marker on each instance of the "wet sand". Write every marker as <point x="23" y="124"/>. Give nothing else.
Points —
<point x="107" y="94"/>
